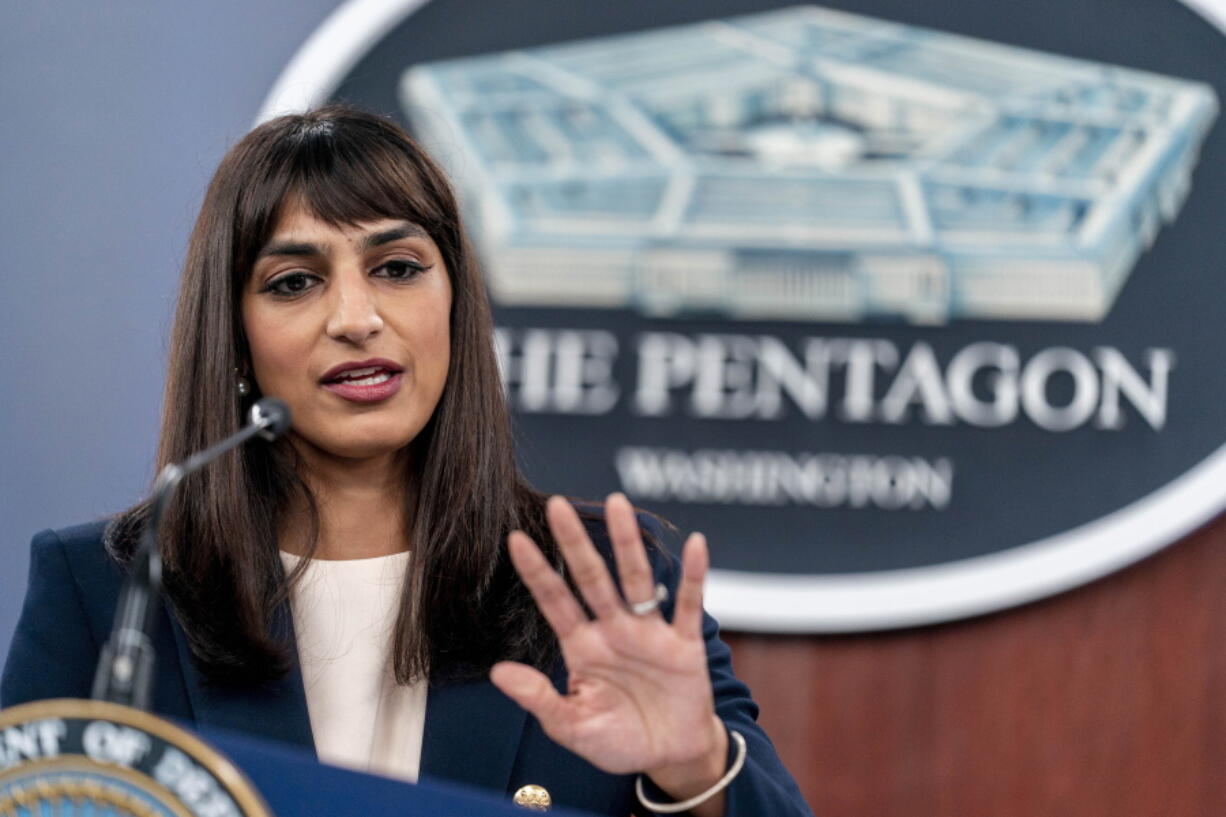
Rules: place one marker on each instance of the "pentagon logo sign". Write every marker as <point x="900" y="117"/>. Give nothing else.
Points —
<point x="916" y="313"/>
<point x="813" y="165"/>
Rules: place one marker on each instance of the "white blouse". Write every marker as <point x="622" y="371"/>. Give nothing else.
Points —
<point x="344" y="617"/>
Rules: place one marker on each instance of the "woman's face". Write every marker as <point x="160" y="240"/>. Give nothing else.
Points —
<point x="350" y="326"/>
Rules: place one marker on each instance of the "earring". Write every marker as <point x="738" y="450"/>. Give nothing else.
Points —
<point x="242" y="384"/>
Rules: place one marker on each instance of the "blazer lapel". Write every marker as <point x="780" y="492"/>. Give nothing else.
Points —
<point x="472" y="735"/>
<point x="276" y="710"/>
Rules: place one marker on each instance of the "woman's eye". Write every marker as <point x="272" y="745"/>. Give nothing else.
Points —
<point x="294" y="283"/>
<point x="400" y="270"/>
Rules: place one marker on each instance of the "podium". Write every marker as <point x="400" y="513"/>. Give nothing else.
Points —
<point x="294" y="783"/>
<point x="72" y="756"/>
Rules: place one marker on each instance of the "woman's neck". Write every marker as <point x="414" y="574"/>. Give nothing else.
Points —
<point x="361" y="506"/>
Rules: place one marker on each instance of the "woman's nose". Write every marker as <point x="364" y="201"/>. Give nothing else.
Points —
<point x="355" y="310"/>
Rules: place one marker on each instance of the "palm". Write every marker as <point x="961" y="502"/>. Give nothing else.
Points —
<point x="639" y="696"/>
<point x="637" y="692"/>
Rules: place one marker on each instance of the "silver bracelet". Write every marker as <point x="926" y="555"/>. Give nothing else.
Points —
<point x="698" y="799"/>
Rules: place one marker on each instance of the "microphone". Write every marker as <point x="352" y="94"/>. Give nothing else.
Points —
<point x="272" y="416"/>
<point x="125" y="666"/>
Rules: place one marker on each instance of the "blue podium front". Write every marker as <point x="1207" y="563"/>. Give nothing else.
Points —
<point x="76" y="757"/>
<point x="294" y="783"/>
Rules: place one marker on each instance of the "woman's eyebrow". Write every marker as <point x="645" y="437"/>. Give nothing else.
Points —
<point x="406" y="230"/>
<point x="307" y="249"/>
<point x="296" y="248"/>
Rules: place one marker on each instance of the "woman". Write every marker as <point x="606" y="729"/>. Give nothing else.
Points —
<point x="412" y="607"/>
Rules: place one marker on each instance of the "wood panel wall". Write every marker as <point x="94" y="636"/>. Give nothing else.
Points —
<point x="1107" y="700"/>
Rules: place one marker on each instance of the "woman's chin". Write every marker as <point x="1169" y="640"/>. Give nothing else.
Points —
<point x="359" y="452"/>
<point x="356" y="447"/>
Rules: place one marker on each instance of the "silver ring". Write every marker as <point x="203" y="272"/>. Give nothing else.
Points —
<point x="642" y="608"/>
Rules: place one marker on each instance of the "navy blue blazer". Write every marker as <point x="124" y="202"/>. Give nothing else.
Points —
<point x="474" y="734"/>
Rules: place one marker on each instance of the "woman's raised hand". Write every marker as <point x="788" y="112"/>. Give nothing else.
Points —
<point x="639" y="696"/>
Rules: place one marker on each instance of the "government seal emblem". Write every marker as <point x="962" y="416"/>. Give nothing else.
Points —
<point x="74" y="757"/>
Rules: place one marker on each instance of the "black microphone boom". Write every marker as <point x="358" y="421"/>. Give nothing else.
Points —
<point x="125" y="667"/>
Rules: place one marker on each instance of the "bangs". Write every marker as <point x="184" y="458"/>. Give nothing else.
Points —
<point x="343" y="182"/>
<point x="344" y="173"/>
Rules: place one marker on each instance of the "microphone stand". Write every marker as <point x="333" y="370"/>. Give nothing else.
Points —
<point x="125" y="666"/>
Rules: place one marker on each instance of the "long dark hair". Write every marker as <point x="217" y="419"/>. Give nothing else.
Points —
<point x="462" y="607"/>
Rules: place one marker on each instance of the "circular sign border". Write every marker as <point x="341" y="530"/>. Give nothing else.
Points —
<point x="882" y="600"/>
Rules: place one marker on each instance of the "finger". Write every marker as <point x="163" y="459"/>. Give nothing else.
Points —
<point x="586" y="567"/>
<point x="531" y="689"/>
<point x="552" y="596"/>
<point x="687" y="614"/>
<point x="632" y="565"/>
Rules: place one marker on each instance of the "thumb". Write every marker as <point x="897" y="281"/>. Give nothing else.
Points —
<point x="531" y="689"/>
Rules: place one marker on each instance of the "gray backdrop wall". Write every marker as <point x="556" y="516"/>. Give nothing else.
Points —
<point x="112" y="117"/>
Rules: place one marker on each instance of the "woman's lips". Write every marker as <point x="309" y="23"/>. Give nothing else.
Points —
<point x="368" y="385"/>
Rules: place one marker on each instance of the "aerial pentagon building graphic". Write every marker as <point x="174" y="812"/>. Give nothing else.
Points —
<point x="811" y="164"/>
